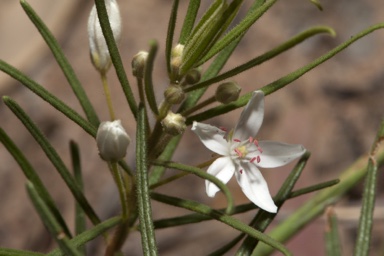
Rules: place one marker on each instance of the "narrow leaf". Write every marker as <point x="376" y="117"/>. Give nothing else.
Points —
<point x="34" y="178"/>
<point x="143" y="199"/>
<point x="189" y="20"/>
<point x="63" y="63"/>
<point x="368" y="205"/>
<point x="80" y="221"/>
<point x="295" y="40"/>
<point x="48" y="97"/>
<point x="317" y="204"/>
<point x="149" y="90"/>
<point x="170" y="33"/>
<point x="202" y="174"/>
<point x="238" y="31"/>
<point x="54" y="157"/>
<point x="332" y="240"/>
<point x="262" y="219"/>
<point x="50" y="222"/>
<point x="115" y="55"/>
<point x="226" y="219"/>
<point x="14" y="252"/>
<point x="282" y="82"/>
<point x="89" y="235"/>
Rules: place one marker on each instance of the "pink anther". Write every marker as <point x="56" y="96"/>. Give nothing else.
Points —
<point x="260" y="149"/>
<point x="236" y="140"/>
<point x="238" y="152"/>
<point x="241" y="171"/>
<point x="253" y="159"/>
<point x="256" y="142"/>
<point x="223" y="129"/>
<point x="250" y="139"/>
<point x="258" y="159"/>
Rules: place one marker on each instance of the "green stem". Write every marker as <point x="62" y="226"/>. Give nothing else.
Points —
<point x="107" y="93"/>
<point x="122" y="189"/>
<point x="199" y="106"/>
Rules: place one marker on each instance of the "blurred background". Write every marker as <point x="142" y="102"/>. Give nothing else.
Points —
<point x="334" y="111"/>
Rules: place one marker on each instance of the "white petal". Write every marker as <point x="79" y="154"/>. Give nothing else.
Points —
<point x="277" y="154"/>
<point x="212" y="137"/>
<point x="255" y="187"/>
<point x="222" y="169"/>
<point x="251" y="118"/>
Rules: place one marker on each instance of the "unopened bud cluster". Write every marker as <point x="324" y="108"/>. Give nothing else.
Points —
<point x="98" y="46"/>
<point x="174" y="94"/>
<point x="112" y="140"/>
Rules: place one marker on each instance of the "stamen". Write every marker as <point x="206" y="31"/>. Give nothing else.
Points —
<point x="223" y="129"/>
<point x="241" y="171"/>
<point x="238" y="152"/>
<point x="258" y="159"/>
<point x="250" y="139"/>
<point x="260" y="149"/>
<point x="252" y="160"/>
<point x="236" y="140"/>
<point x="256" y="142"/>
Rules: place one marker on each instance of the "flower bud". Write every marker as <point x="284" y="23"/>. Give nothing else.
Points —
<point x="112" y="140"/>
<point x="193" y="76"/>
<point x="227" y="92"/>
<point x="177" y="51"/>
<point x="98" y="46"/>
<point x="173" y="124"/>
<point x="138" y="64"/>
<point x="176" y="58"/>
<point x="174" y="94"/>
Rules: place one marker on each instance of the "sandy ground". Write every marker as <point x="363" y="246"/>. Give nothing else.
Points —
<point x="334" y="111"/>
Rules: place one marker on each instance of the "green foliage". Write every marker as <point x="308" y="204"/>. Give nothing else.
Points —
<point x="214" y="36"/>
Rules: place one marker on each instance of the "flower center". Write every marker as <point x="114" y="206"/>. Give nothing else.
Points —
<point x="249" y="149"/>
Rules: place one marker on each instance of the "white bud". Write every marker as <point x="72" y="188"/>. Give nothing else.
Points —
<point x="112" y="140"/>
<point x="173" y="124"/>
<point x="98" y="46"/>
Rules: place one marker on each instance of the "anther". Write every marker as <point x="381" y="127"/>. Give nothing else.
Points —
<point x="223" y="129"/>
<point x="260" y="149"/>
<point x="258" y="159"/>
<point x="241" y="171"/>
<point x="250" y="139"/>
<point x="236" y="140"/>
<point x="252" y="160"/>
<point x="238" y="152"/>
<point x="256" y="143"/>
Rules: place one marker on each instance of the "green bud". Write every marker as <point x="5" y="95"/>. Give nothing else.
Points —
<point x="174" y="94"/>
<point x="138" y="64"/>
<point x="193" y="76"/>
<point x="176" y="59"/>
<point x="227" y="92"/>
<point x="173" y="124"/>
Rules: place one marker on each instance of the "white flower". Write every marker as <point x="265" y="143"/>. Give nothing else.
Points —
<point x="112" y="140"/>
<point x="242" y="154"/>
<point x="98" y="46"/>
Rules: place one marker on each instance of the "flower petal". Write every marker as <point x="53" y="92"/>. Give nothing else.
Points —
<point x="223" y="169"/>
<point x="255" y="187"/>
<point x="277" y="154"/>
<point x="251" y="118"/>
<point x="212" y="137"/>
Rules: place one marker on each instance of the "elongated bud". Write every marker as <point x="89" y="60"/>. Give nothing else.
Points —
<point x="112" y="140"/>
<point x="227" y="92"/>
<point x="138" y="64"/>
<point x="98" y="46"/>
<point x="174" y="94"/>
<point x="173" y="124"/>
<point x="176" y="58"/>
